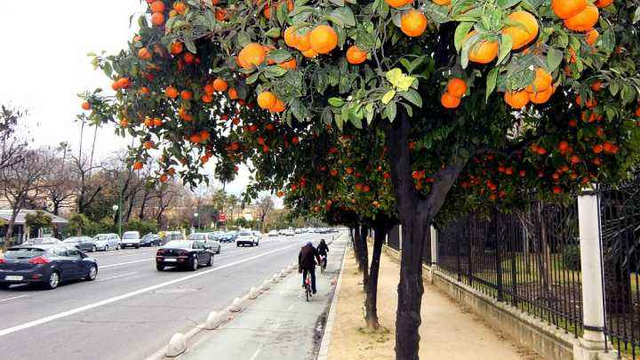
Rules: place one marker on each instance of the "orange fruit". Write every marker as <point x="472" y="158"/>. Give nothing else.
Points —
<point x="542" y="81"/>
<point x="449" y="101"/>
<point x="267" y="11"/>
<point x="596" y="86"/>
<point x="157" y="19"/>
<point x="206" y="98"/>
<point x="541" y="97"/>
<point x="251" y="55"/>
<point x="144" y="54"/>
<point x="137" y="165"/>
<point x="179" y="7"/>
<point x="124" y="122"/>
<point x="221" y="14"/>
<point x="304" y="42"/>
<point x="289" y="65"/>
<point x="208" y="89"/>
<point x="233" y="94"/>
<point x="175" y="48"/>
<point x="186" y="95"/>
<point x="310" y="53"/>
<point x="483" y="51"/>
<point x="457" y="87"/>
<point x="516" y="99"/>
<point x="523" y="33"/>
<point x="290" y="37"/>
<point x="323" y="39"/>
<point x="171" y="92"/>
<point x="398" y="3"/>
<point x="157" y="122"/>
<point x="413" y="23"/>
<point x="355" y="55"/>
<point x="603" y="3"/>
<point x="565" y="9"/>
<point x="220" y="85"/>
<point x="637" y="113"/>
<point x="442" y="2"/>
<point x="157" y="6"/>
<point x="148" y="145"/>
<point x="279" y="106"/>
<point x="584" y="20"/>
<point x="86" y="106"/>
<point x="592" y="37"/>
<point x="267" y="100"/>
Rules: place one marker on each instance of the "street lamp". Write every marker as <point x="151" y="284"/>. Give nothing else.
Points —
<point x="197" y="222"/>
<point x="115" y="210"/>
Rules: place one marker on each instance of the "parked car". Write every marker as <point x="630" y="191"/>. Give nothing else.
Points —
<point x="42" y="241"/>
<point x="107" y="242"/>
<point x="208" y="240"/>
<point x="83" y="243"/>
<point x="287" y="232"/>
<point x="183" y="253"/>
<point x="245" y="237"/>
<point x="258" y="236"/>
<point x="273" y="233"/>
<point x="130" y="239"/>
<point x="298" y="231"/>
<point x="46" y="265"/>
<point x="150" y="240"/>
<point x="167" y="236"/>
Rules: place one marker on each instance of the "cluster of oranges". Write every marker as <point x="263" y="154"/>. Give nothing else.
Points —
<point x="538" y="92"/>
<point x="269" y="101"/>
<point x="322" y="39"/>
<point x="413" y="23"/>
<point x="456" y="88"/>
<point x="157" y="8"/>
<point x="578" y="15"/>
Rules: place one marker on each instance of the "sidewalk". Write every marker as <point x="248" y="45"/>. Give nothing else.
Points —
<point x="279" y="325"/>
<point x="448" y="331"/>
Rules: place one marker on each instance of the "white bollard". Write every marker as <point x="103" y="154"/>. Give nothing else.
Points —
<point x="253" y="293"/>
<point x="214" y="319"/>
<point x="265" y="286"/>
<point x="283" y="273"/>
<point x="177" y="345"/>
<point x="236" y="306"/>
<point x="274" y="278"/>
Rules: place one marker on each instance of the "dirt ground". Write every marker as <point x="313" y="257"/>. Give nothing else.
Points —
<point x="448" y="331"/>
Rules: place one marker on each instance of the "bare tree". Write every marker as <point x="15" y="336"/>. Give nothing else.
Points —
<point x="86" y="188"/>
<point x="264" y="206"/>
<point x="21" y="181"/>
<point x="11" y="146"/>
<point x="164" y="197"/>
<point x="61" y="187"/>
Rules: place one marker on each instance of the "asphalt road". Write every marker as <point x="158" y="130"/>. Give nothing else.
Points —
<point x="131" y="310"/>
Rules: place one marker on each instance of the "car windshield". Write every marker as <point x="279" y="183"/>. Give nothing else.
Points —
<point x="23" y="253"/>
<point x="179" y="244"/>
<point x="130" y="236"/>
<point x="101" y="237"/>
<point x="197" y="237"/>
<point x="244" y="233"/>
<point x="43" y="241"/>
<point x="72" y="240"/>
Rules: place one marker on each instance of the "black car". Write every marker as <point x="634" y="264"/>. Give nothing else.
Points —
<point x="183" y="253"/>
<point x="150" y="240"/>
<point x="83" y="243"/>
<point x="46" y="265"/>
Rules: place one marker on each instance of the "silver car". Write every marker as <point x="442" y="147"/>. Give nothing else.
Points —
<point x="107" y="242"/>
<point x="208" y="240"/>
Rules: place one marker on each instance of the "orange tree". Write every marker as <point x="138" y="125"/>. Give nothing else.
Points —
<point x="479" y="101"/>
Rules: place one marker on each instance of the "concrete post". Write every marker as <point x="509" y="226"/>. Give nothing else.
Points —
<point x="400" y="237"/>
<point x="593" y="339"/>
<point x="434" y="246"/>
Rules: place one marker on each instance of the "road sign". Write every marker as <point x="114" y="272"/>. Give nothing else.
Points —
<point x="222" y="217"/>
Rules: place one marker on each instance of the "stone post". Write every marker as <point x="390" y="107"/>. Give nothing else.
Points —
<point x="434" y="246"/>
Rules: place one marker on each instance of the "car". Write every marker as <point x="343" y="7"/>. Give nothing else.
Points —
<point x="183" y="253"/>
<point x="208" y="239"/>
<point x="273" y="233"/>
<point x="167" y="236"/>
<point x="42" y="241"/>
<point x="107" y="242"/>
<point x="150" y="240"/>
<point x="83" y="243"/>
<point x="130" y="239"/>
<point x="258" y="236"/>
<point x="245" y="237"/>
<point x="46" y="265"/>
<point x="288" y="232"/>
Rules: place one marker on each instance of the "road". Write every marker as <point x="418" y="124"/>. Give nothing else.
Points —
<point x="131" y="310"/>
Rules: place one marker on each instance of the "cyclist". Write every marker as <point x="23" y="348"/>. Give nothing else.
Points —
<point x="323" y="249"/>
<point x="307" y="264"/>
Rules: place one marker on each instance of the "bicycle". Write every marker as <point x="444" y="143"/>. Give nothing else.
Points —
<point x="307" y="286"/>
<point x="323" y="263"/>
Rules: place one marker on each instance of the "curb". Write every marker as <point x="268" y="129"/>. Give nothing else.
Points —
<point x="323" y="353"/>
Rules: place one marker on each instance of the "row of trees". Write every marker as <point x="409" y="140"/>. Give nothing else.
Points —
<point x="382" y="112"/>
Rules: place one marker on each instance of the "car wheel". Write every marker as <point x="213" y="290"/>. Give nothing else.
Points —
<point x="52" y="281"/>
<point x="93" y="272"/>
<point x="218" y="252"/>
<point x="138" y="247"/>
<point x="106" y="248"/>
<point x="159" y="267"/>
<point x="94" y="248"/>
<point x="238" y="245"/>
<point x="4" y="286"/>
<point x="118" y="247"/>
<point x="210" y="262"/>
<point x="193" y="264"/>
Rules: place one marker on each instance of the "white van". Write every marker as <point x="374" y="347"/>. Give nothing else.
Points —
<point x="130" y="239"/>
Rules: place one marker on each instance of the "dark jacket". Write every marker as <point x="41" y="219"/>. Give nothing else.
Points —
<point x="323" y="249"/>
<point x="307" y="257"/>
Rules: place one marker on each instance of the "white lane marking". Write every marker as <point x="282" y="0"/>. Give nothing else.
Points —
<point x="123" y="263"/>
<point x="255" y="355"/>
<point x="13" y="298"/>
<point x="116" y="276"/>
<point x="77" y="310"/>
<point x="290" y="308"/>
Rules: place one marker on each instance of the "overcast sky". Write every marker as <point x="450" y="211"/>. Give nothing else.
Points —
<point x="44" y="64"/>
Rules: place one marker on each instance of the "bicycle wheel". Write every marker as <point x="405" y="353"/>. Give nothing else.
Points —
<point x="307" y="292"/>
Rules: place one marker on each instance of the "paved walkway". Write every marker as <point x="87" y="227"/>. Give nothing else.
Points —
<point x="279" y="325"/>
<point x="448" y="331"/>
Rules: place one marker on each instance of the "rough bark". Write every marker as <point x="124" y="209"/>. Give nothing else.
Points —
<point x="371" y="300"/>
<point x="356" y="246"/>
<point x="364" y="257"/>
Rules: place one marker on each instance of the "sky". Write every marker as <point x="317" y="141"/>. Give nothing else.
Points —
<point x="44" y="65"/>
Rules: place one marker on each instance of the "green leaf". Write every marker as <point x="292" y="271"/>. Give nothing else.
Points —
<point x="339" y="121"/>
<point x="390" y="111"/>
<point x="273" y="33"/>
<point x="279" y="55"/>
<point x="386" y="98"/>
<point x="337" y="2"/>
<point x="342" y="16"/>
<point x="190" y="46"/>
<point x="336" y="102"/>
<point x="636" y="15"/>
<point x="251" y="79"/>
<point x="399" y="80"/>
<point x="242" y="39"/>
<point x="461" y="31"/>
<point x="369" y="112"/>
<point x="412" y="96"/>
<point x="506" y="41"/>
<point x="275" y="71"/>
<point x="554" y="58"/>
<point x="492" y="79"/>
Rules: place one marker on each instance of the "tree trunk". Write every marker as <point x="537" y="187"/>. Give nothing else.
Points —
<point x="10" y="225"/>
<point x="370" y="304"/>
<point x="364" y="257"/>
<point x="356" y="246"/>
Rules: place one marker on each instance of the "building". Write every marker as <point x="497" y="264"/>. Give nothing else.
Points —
<point x="21" y="232"/>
